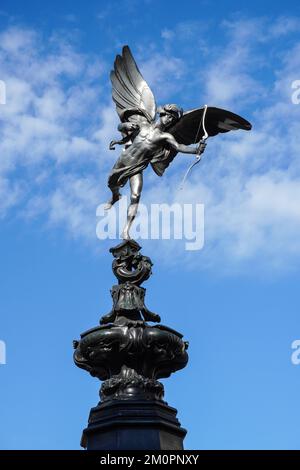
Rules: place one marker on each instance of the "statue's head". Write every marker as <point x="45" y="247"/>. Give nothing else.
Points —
<point x="169" y="114"/>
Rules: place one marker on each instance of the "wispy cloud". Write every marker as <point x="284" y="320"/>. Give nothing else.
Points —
<point x="49" y="126"/>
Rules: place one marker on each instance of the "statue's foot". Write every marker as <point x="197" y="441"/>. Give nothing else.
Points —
<point x="125" y="235"/>
<point x="112" y="201"/>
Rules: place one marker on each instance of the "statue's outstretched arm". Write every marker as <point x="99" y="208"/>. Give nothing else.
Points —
<point x="171" y="141"/>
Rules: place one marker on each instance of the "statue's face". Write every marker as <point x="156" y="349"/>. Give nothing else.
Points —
<point x="167" y="119"/>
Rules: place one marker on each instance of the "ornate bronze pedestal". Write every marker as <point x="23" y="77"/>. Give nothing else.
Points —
<point x="130" y="355"/>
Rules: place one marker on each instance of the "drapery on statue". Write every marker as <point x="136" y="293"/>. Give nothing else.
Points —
<point x="156" y="142"/>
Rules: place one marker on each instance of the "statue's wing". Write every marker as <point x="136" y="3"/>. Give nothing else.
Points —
<point x="189" y="130"/>
<point x="130" y="91"/>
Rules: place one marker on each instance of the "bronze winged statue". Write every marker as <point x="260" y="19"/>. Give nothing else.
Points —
<point x="155" y="141"/>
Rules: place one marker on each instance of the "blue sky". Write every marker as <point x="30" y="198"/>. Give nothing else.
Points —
<point x="237" y="300"/>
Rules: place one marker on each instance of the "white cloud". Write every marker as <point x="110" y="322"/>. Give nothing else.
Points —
<point x="51" y="117"/>
<point x="73" y="204"/>
<point x="229" y="77"/>
<point x="16" y="40"/>
<point x="9" y="195"/>
<point x="164" y="73"/>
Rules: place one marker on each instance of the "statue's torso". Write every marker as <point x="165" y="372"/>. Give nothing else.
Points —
<point x="147" y="142"/>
